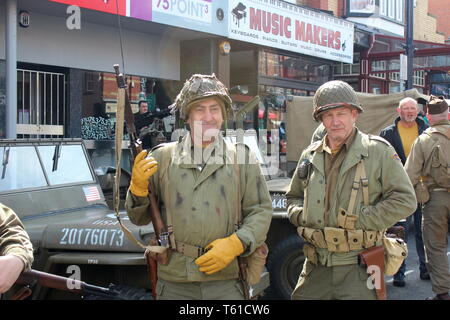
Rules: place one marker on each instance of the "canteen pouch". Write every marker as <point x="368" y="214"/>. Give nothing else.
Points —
<point x="375" y="256"/>
<point x="395" y="253"/>
<point x="422" y="193"/>
<point x="254" y="264"/>
<point x="396" y="231"/>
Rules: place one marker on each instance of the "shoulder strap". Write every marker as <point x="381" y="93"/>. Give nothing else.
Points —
<point x="365" y="184"/>
<point x="360" y="179"/>
<point x="164" y="164"/>
<point x="237" y="171"/>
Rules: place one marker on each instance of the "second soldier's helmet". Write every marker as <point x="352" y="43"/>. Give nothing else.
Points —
<point x="334" y="94"/>
<point x="198" y="87"/>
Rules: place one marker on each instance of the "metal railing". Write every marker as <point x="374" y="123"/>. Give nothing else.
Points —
<point x="41" y="104"/>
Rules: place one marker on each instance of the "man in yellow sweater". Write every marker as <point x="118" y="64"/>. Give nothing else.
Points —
<point x="401" y="135"/>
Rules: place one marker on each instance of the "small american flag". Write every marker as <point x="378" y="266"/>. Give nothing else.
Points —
<point x="91" y="193"/>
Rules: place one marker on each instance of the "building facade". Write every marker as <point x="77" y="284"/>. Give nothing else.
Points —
<point x="64" y="82"/>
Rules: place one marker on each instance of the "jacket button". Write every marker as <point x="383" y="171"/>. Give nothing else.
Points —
<point x="335" y="240"/>
<point x="355" y="240"/>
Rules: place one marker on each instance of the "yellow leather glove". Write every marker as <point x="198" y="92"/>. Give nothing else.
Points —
<point x="220" y="253"/>
<point x="143" y="169"/>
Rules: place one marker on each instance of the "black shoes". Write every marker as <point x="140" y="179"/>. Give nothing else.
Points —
<point x="424" y="275"/>
<point x="399" y="283"/>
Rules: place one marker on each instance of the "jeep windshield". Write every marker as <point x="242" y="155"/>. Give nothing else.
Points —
<point x="33" y="166"/>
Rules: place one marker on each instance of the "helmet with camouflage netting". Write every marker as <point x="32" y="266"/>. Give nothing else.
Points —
<point x="334" y="94"/>
<point x="199" y="87"/>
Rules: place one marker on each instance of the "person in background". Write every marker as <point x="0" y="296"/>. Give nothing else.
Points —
<point x="401" y="135"/>
<point x="429" y="161"/>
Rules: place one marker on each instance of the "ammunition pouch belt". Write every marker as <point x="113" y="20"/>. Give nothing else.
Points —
<point x="189" y="250"/>
<point x="340" y="240"/>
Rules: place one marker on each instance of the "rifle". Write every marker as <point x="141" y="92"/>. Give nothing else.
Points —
<point x="162" y="236"/>
<point x="31" y="277"/>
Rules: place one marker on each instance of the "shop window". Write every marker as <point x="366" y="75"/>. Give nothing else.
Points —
<point x="394" y="87"/>
<point x="375" y="88"/>
<point x="419" y="78"/>
<point x="393" y="9"/>
<point x="383" y="7"/>
<point x="378" y="66"/>
<point x="441" y="89"/>
<point x="99" y="105"/>
<point x="346" y="69"/>
<point x="282" y="66"/>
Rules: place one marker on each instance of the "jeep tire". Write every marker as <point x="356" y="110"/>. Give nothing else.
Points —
<point x="285" y="264"/>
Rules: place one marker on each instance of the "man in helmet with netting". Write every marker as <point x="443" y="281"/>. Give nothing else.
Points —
<point x="347" y="188"/>
<point x="201" y="188"/>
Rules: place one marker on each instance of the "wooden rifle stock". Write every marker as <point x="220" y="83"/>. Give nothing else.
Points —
<point x="31" y="277"/>
<point x="136" y="148"/>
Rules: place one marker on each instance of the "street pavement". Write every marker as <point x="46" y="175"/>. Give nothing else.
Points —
<point x="415" y="289"/>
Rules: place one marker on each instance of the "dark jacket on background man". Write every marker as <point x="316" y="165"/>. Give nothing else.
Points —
<point x="391" y="134"/>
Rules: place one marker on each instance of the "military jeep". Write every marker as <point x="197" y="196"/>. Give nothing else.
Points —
<point x="54" y="188"/>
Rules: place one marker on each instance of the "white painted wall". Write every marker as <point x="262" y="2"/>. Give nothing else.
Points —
<point x="94" y="47"/>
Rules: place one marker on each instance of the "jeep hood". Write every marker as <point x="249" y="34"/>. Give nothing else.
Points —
<point x="93" y="228"/>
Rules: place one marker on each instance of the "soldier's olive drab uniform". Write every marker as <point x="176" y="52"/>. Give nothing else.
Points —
<point x="14" y="240"/>
<point x="203" y="205"/>
<point x="391" y="198"/>
<point x="427" y="160"/>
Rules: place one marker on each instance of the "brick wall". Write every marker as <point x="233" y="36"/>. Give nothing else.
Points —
<point x="425" y="24"/>
<point x="441" y="10"/>
<point x="331" y="5"/>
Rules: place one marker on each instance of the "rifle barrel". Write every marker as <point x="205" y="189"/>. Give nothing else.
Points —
<point x="51" y="281"/>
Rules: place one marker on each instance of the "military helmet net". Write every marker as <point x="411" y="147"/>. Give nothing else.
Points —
<point x="334" y="94"/>
<point x="198" y="87"/>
